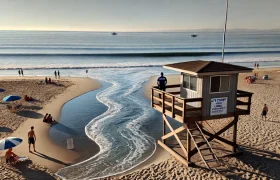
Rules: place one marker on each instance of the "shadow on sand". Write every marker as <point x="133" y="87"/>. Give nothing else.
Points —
<point x="28" y="173"/>
<point x="5" y="129"/>
<point x="62" y="128"/>
<point x="273" y="121"/>
<point x="49" y="158"/>
<point x="30" y="114"/>
<point x="265" y="162"/>
<point x="32" y="107"/>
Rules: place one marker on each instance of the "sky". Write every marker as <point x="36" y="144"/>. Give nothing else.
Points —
<point x="137" y="15"/>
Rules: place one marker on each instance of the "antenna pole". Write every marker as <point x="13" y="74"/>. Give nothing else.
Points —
<point x="225" y="29"/>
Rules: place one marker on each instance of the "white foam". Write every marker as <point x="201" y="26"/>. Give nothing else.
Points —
<point x="137" y="141"/>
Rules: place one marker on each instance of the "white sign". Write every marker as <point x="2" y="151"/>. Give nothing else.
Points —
<point x="218" y="106"/>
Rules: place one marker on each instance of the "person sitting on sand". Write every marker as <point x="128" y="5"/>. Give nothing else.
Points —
<point x="50" y="81"/>
<point x="28" y="98"/>
<point x="45" y="118"/>
<point x="10" y="156"/>
<point x="264" y="111"/>
<point x="50" y="118"/>
<point x="46" y="80"/>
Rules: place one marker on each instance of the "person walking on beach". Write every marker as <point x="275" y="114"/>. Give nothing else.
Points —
<point x="264" y="111"/>
<point x="31" y="138"/>
<point x="21" y="70"/>
<point x="255" y="65"/>
<point x="258" y="66"/>
<point x="58" y="74"/>
<point x="19" y="73"/>
<point x="55" y="74"/>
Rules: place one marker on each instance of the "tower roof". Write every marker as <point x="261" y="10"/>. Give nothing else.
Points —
<point x="200" y="67"/>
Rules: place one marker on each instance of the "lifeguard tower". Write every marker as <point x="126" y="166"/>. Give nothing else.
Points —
<point x="208" y="91"/>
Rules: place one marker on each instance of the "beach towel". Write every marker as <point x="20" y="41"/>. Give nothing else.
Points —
<point x="22" y="158"/>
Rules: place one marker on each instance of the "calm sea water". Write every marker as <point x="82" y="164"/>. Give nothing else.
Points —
<point x="127" y="131"/>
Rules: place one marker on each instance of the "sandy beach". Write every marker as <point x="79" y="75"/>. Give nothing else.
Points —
<point x="49" y="99"/>
<point x="258" y="139"/>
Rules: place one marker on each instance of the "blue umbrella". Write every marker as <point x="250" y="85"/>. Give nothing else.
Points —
<point x="11" y="98"/>
<point x="9" y="142"/>
<point x="2" y="90"/>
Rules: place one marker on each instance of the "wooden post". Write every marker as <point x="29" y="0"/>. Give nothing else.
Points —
<point x="173" y="103"/>
<point x="163" y="105"/>
<point x="184" y="110"/>
<point x="189" y="147"/>
<point x="163" y="128"/>
<point x="249" y="104"/>
<point x="201" y="106"/>
<point x="152" y="97"/>
<point x="234" y="133"/>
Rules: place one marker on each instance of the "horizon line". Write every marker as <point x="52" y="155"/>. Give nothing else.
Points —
<point x="151" y="31"/>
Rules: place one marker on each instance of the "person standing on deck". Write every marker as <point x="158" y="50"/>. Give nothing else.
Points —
<point x="162" y="81"/>
<point x="55" y="74"/>
<point x="58" y="74"/>
<point x="31" y="138"/>
<point x="264" y="111"/>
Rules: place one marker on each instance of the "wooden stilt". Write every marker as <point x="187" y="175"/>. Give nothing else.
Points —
<point x="189" y="145"/>
<point x="176" y="155"/>
<point x="176" y="136"/>
<point x="234" y="133"/>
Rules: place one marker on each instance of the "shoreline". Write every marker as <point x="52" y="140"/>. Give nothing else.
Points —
<point x="51" y="155"/>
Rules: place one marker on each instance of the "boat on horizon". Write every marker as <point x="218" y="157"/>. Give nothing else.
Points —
<point x="193" y="35"/>
<point x="114" y="33"/>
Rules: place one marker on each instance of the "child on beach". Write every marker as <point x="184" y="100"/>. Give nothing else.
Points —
<point x="264" y="111"/>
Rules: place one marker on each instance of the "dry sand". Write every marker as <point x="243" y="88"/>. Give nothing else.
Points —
<point x="258" y="139"/>
<point x="49" y="99"/>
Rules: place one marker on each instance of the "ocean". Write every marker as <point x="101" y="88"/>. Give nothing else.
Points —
<point x="127" y="129"/>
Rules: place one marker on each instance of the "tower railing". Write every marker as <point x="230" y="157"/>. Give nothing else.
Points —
<point x="181" y="109"/>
